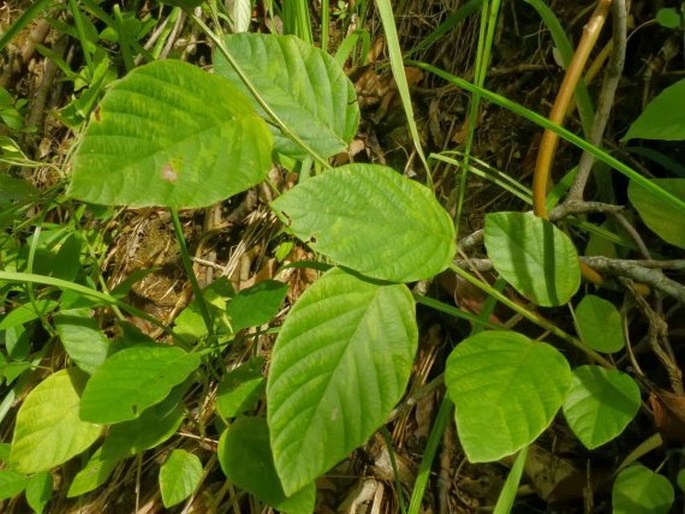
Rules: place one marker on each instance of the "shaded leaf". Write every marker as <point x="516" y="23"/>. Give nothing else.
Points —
<point x="245" y="457"/>
<point x="638" y="490"/>
<point x="600" y="404"/>
<point x="82" y="339"/>
<point x="533" y="255"/>
<point x="599" y="324"/>
<point x="666" y="221"/>
<point x="256" y="305"/>
<point x="132" y="380"/>
<point x="240" y="389"/>
<point x="11" y="483"/>
<point x="39" y="491"/>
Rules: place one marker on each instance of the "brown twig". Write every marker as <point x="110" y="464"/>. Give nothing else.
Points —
<point x="548" y="143"/>
<point x="606" y="98"/>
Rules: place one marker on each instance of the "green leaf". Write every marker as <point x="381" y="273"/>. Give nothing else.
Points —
<point x="663" y="117"/>
<point x="186" y="4"/>
<point x="49" y="431"/>
<point x="680" y="480"/>
<point x="82" y="339"/>
<point x="256" y="305"/>
<point x="669" y="18"/>
<point x="179" y="476"/>
<point x="240" y="389"/>
<point x="134" y="379"/>
<point x="666" y="221"/>
<point x="245" y="457"/>
<point x="303" y="85"/>
<point x="373" y="220"/>
<point x="506" y="390"/>
<point x="27" y="312"/>
<point x="173" y="135"/>
<point x="39" y="491"/>
<point x="152" y="428"/>
<point x="638" y="490"/>
<point x="599" y="324"/>
<point x="11" y="483"/>
<point x="94" y="474"/>
<point x="534" y="256"/>
<point x="340" y="364"/>
<point x="600" y="404"/>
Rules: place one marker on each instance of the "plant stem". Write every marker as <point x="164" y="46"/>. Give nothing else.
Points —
<point x="441" y="420"/>
<point x="538" y="320"/>
<point x="188" y="266"/>
<point x="549" y="141"/>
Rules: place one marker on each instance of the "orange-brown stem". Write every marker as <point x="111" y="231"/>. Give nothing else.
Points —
<point x="548" y="143"/>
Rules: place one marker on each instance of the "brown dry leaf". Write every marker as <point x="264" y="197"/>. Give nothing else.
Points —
<point x="668" y="410"/>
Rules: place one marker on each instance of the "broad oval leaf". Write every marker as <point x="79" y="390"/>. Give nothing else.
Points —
<point x="506" y="390"/>
<point x="170" y="134"/>
<point x="49" y="431"/>
<point x="303" y="85"/>
<point x="134" y="379"/>
<point x="373" y="220"/>
<point x="340" y="364"/>
<point x="245" y="457"/>
<point x="179" y="476"/>
<point x="240" y="389"/>
<point x="639" y="490"/>
<point x="599" y="324"/>
<point x="534" y="256"/>
<point x="600" y="404"/>
<point x="256" y="305"/>
<point x="666" y="221"/>
<point x="663" y="117"/>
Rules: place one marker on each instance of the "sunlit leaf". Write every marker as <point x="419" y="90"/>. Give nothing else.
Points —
<point x="82" y="339"/>
<point x="179" y="476"/>
<point x="170" y="134"/>
<point x="373" y="220"/>
<point x="49" y="431"/>
<point x="506" y="390"/>
<point x="305" y="87"/>
<point x="340" y="364"/>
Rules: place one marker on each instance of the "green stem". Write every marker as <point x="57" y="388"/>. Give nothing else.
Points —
<point x="531" y="316"/>
<point x="188" y="266"/>
<point x="439" y="426"/>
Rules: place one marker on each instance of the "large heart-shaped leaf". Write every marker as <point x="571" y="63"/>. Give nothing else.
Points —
<point x="663" y="118"/>
<point x="534" y="256"/>
<point x="302" y="84"/>
<point x="666" y="221"/>
<point x="600" y="404"/>
<point x="134" y="379"/>
<point x="245" y="457"/>
<point x="49" y="431"/>
<point x="173" y="135"/>
<point x="506" y="390"/>
<point x="373" y="220"/>
<point x="340" y="364"/>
